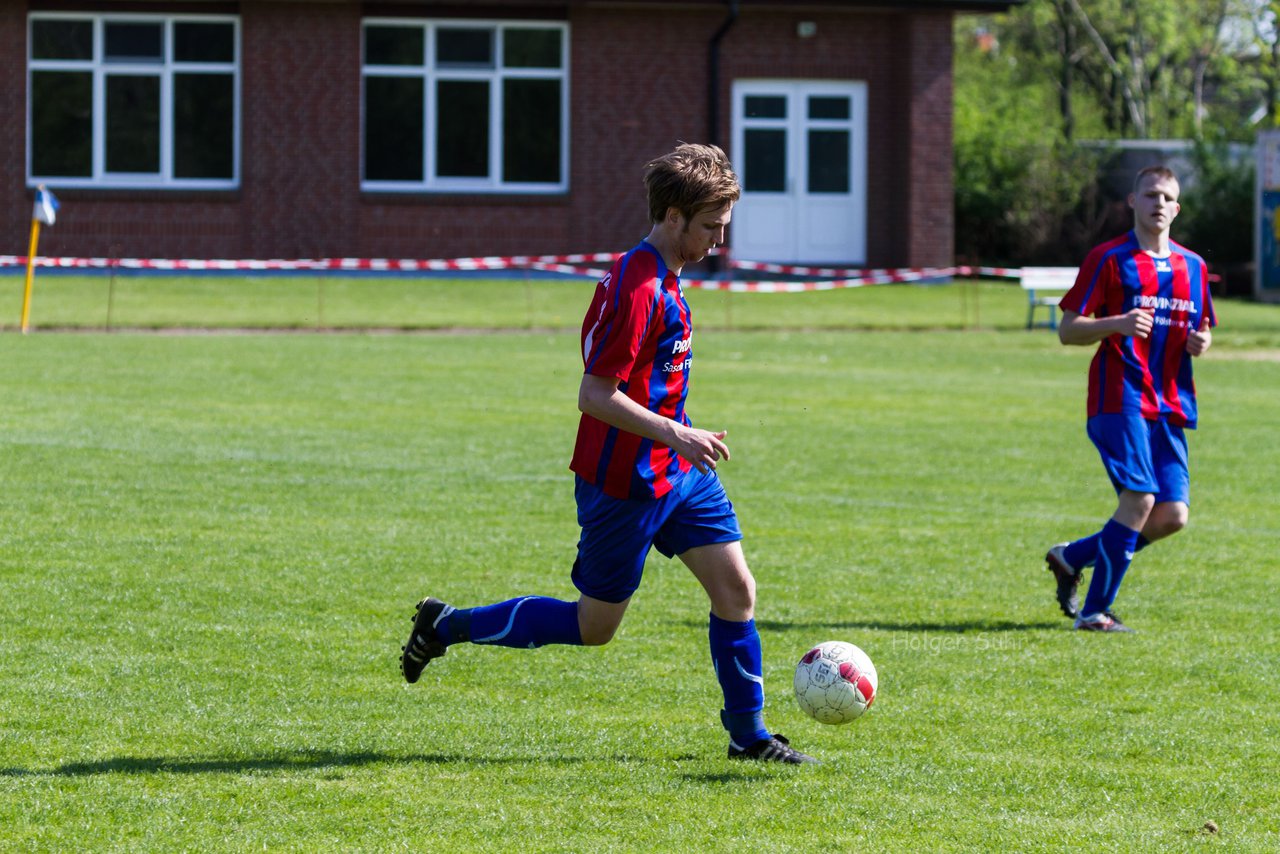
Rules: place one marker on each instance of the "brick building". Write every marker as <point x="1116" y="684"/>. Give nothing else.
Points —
<point x="306" y="128"/>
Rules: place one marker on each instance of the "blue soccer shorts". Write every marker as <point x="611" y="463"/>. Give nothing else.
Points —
<point x="1143" y="456"/>
<point x="617" y="532"/>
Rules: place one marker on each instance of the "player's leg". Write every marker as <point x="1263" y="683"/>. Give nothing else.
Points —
<point x="1167" y="518"/>
<point x="704" y="532"/>
<point x="1156" y="516"/>
<point x="526" y="622"/>
<point x="1116" y="543"/>
<point x="1124" y="445"/>
<point x="598" y="620"/>
<point x="1173" y="476"/>
<point x="611" y="552"/>
<point x="1079" y="555"/>
<point x="736" y="652"/>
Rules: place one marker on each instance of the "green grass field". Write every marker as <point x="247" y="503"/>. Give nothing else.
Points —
<point x="213" y="543"/>
<point x="303" y="303"/>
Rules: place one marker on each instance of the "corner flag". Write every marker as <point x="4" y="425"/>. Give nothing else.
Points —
<point x="46" y="209"/>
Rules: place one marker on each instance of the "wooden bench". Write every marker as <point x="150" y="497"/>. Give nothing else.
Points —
<point x="1045" y="287"/>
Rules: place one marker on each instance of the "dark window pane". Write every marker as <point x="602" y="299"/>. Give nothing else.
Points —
<point x="393" y="45"/>
<point x="531" y="131"/>
<point x="462" y="129"/>
<point x="765" y="107"/>
<point x="61" y="123"/>
<point x="130" y="42"/>
<point x="531" y="48"/>
<point x="194" y="42"/>
<point x="203" y="124"/>
<point x="828" y="161"/>
<point x="62" y="39"/>
<point x="133" y="123"/>
<point x="468" y="47"/>
<point x="829" y="108"/>
<point x="393" y="128"/>
<point x="765" y="164"/>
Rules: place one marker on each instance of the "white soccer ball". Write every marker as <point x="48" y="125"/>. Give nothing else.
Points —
<point x="835" y="682"/>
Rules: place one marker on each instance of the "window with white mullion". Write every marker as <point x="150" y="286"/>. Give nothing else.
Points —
<point x="492" y="114"/>
<point x="133" y="100"/>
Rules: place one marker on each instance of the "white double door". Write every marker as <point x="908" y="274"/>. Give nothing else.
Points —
<point x="800" y="149"/>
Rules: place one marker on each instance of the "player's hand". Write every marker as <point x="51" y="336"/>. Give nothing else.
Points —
<point x="1198" y="340"/>
<point x="703" y="448"/>
<point x="1137" y="323"/>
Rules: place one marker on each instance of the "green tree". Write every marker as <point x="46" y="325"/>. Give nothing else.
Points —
<point x="1260" y="21"/>
<point x="1217" y="208"/>
<point x="1030" y="83"/>
<point x="1146" y="68"/>
<point x="1018" y="178"/>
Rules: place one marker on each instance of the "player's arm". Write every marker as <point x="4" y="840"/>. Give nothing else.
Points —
<point x="600" y="398"/>
<point x="1078" y="329"/>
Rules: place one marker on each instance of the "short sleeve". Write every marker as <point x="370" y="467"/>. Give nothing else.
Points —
<point x="615" y="341"/>
<point x="1090" y="288"/>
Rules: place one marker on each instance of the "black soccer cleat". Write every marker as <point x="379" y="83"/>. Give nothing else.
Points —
<point x="423" y="645"/>
<point x="775" y="748"/>
<point x="1068" y="578"/>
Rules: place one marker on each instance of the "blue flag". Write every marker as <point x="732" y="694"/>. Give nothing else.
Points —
<point x="46" y="209"/>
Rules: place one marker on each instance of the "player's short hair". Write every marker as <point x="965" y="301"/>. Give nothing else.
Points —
<point x="692" y="178"/>
<point x="1158" y="172"/>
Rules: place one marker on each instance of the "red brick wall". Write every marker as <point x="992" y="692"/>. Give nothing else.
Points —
<point x="300" y="150"/>
<point x="930" y="215"/>
<point x="15" y="201"/>
<point x="631" y="98"/>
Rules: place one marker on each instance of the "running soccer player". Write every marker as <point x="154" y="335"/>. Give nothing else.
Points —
<point x="1145" y="300"/>
<point x="644" y="476"/>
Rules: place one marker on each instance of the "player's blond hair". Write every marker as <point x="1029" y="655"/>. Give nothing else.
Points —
<point x="692" y="178"/>
<point x="1157" y="172"/>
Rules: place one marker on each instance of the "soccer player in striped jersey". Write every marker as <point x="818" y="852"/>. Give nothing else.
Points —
<point x="1144" y="299"/>
<point x="644" y="475"/>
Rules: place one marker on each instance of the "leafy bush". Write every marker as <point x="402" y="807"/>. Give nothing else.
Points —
<point x="1217" y="218"/>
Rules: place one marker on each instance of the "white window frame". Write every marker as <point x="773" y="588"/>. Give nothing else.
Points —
<point x="430" y="75"/>
<point x="165" y="70"/>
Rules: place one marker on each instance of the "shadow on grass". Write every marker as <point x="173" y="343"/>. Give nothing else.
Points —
<point x="758" y="772"/>
<point x="957" y="627"/>
<point x="301" y="761"/>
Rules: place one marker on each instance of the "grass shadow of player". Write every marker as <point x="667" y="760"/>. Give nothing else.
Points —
<point x="956" y="627"/>
<point x="306" y="760"/>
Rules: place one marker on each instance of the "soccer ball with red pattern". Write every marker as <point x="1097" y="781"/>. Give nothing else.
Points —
<point x="835" y="682"/>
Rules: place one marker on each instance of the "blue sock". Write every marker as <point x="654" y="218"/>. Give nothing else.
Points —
<point x="736" y="655"/>
<point x="1116" y="546"/>
<point x="1084" y="553"/>
<point x="524" y="623"/>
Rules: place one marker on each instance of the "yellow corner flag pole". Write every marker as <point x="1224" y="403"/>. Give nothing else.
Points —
<point x="46" y="211"/>
<point x="31" y="268"/>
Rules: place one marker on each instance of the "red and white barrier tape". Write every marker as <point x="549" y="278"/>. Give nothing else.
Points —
<point x="990" y="272"/>
<point x="305" y="264"/>
<point x="827" y="278"/>
<point x="858" y="279"/>
<point x="906" y="274"/>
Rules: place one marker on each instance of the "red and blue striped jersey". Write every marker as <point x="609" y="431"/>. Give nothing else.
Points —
<point x="637" y="331"/>
<point x="1148" y="376"/>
